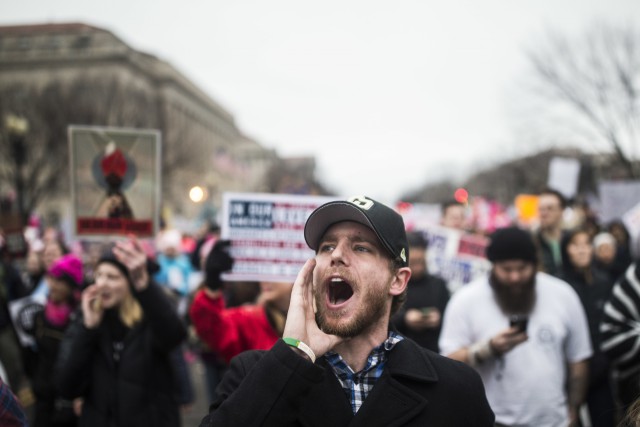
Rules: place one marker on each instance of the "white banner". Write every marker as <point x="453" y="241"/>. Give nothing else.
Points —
<point x="267" y="234"/>
<point x="617" y="198"/>
<point x="564" y="175"/>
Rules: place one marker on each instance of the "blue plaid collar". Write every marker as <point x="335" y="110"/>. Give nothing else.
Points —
<point x="357" y="385"/>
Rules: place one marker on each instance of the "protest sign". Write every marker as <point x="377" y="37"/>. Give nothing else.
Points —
<point x="22" y="312"/>
<point x="455" y="256"/>
<point x="266" y="233"/>
<point x="526" y="206"/>
<point x="487" y="215"/>
<point x="115" y="181"/>
<point x="419" y="216"/>
<point x="631" y="220"/>
<point x="564" y="175"/>
<point x="617" y="198"/>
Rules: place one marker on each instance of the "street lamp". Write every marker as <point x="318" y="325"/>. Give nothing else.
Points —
<point x="17" y="128"/>
<point x="197" y="194"/>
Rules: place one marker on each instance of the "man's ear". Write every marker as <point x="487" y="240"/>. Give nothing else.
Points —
<point x="400" y="280"/>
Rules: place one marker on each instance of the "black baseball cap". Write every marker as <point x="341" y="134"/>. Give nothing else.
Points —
<point x="384" y="221"/>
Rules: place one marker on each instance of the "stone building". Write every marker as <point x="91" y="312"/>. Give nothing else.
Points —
<point x="55" y="75"/>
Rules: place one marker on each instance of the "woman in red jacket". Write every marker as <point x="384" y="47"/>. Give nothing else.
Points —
<point x="230" y="331"/>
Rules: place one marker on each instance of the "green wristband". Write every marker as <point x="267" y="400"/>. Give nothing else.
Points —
<point x="302" y="347"/>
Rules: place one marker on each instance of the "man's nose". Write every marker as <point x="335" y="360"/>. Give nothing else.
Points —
<point x="514" y="276"/>
<point x="338" y="254"/>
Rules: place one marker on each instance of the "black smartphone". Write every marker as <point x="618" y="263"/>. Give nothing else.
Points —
<point x="519" y="321"/>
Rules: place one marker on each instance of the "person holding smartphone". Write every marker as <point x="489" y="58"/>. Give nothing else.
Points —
<point x="420" y="318"/>
<point x="525" y="332"/>
<point x="116" y="356"/>
<point x="338" y="362"/>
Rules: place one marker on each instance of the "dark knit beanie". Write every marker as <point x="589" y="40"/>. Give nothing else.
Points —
<point x="416" y="240"/>
<point x="108" y="257"/>
<point x="511" y="243"/>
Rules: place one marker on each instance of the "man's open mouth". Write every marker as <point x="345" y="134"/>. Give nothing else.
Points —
<point x="339" y="291"/>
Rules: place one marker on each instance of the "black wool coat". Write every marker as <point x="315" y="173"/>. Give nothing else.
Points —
<point x="417" y="388"/>
<point x="139" y="389"/>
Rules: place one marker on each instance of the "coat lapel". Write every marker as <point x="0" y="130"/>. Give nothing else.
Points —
<point x="327" y="404"/>
<point x="391" y="402"/>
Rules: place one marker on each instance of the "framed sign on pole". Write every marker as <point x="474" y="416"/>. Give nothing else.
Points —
<point x="115" y="182"/>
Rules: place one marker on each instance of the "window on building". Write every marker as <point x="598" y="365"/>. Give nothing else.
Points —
<point x="24" y="42"/>
<point x="83" y="41"/>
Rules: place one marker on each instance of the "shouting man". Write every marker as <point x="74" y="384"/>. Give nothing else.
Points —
<point x="338" y="362"/>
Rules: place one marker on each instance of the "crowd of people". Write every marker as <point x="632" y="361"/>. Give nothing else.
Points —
<point x="366" y="333"/>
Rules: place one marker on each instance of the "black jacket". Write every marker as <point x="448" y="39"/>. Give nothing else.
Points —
<point x="48" y="338"/>
<point x="280" y="388"/>
<point x="138" y="390"/>
<point x="427" y="291"/>
<point x="11" y="288"/>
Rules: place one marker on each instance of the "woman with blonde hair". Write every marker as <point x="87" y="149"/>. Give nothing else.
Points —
<point x="117" y="355"/>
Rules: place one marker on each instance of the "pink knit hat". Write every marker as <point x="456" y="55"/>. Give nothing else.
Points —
<point x="70" y="267"/>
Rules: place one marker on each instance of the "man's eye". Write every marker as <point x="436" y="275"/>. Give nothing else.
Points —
<point x="326" y="247"/>
<point x="361" y="249"/>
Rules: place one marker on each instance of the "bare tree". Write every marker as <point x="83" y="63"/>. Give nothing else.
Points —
<point x="293" y="176"/>
<point x="596" y="76"/>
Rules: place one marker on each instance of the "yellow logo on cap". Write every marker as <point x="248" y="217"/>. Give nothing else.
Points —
<point x="403" y="255"/>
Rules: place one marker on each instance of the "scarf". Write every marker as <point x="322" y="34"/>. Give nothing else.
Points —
<point x="57" y="314"/>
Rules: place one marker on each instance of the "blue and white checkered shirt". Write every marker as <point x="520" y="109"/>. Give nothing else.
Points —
<point x="357" y="385"/>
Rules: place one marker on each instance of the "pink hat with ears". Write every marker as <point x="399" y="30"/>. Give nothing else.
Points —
<point x="69" y="267"/>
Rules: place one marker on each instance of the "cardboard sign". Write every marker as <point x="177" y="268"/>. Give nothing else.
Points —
<point x="564" y="175"/>
<point x="115" y="181"/>
<point x="266" y="233"/>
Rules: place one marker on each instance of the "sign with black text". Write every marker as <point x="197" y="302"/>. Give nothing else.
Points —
<point x="266" y="233"/>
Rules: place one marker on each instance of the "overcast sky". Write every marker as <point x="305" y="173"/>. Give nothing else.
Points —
<point x="385" y="94"/>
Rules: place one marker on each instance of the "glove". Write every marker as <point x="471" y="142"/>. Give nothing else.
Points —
<point x="218" y="261"/>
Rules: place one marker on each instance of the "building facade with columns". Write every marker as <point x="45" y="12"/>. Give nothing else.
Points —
<point x="56" y="75"/>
